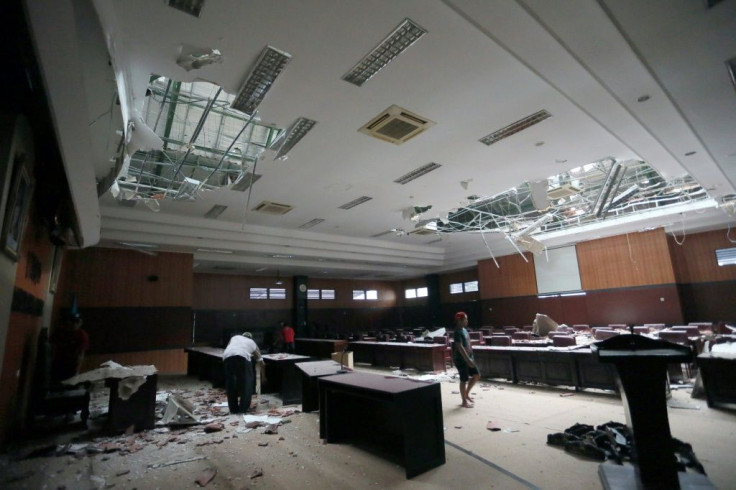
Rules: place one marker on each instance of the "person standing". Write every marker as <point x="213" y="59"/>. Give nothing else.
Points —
<point x="287" y="334"/>
<point x="240" y="357"/>
<point x="463" y="358"/>
<point x="68" y="342"/>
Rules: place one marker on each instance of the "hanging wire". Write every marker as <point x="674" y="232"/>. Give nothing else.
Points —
<point x="728" y="232"/>
<point x="631" y="255"/>
<point x="682" y="221"/>
<point x="483" y="235"/>
<point x="250" y="190"/>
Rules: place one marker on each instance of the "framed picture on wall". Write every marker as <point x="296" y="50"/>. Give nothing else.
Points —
<point x="16" y="209"/>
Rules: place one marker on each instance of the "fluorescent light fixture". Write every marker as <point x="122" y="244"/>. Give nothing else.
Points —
<point x="613" y="180"/>
<point x="515" y="127"/>
<point x="292" y="136"/>
<point x="215" y="211"/>
<point x="406" y="34"/>
<point x="270" y="64"/>
<point x="355" y="202"/>
<point x="138" y="245"/>
<point x="579" y="293"/>
<point x="417" y="172"/>
<point x="545" y="296"/>
<point x="312" y="223"/>
<point x="281" y="256"/>
<point x="214" y="251"/>
<point x="191" y="7"/>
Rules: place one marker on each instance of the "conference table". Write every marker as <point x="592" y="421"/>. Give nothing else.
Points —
<point x="398" y="418"/>
<point x="282" y="376"/>
<point x="409" y="355"/>
<point x="319" y="348"/>
<point x="206" y="363"/>
<point x="311" y="372"/>
<point x="576" y="367"/>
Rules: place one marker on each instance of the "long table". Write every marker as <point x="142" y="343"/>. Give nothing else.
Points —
<point x="578" y="368"/>
<point x="206" y="363"/>
<point x="422" y="357"/>
<point x="400" y="417"/>
<point x="282" y="376"/>
<point x="319" y="348"/>
<point x="719" y="379"/>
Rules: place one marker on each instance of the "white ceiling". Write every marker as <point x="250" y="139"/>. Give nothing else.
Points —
<point x="483" y="65"/>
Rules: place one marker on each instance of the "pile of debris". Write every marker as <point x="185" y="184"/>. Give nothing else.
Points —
<point x="613" y="441"/>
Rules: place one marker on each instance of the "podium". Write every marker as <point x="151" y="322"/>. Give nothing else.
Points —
<point x="641" y="365"/>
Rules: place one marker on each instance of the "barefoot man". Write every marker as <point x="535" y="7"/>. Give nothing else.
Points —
<point x="463" y="358"/>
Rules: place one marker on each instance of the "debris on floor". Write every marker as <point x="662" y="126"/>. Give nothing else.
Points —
<point x="613" y="441"/>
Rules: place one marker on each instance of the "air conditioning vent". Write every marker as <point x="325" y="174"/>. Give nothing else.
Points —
<point x="514" y="128"/>
<point x="417" y="172"/>
<point x="355" y="202"/>
<point x="396" y="125"/>
<point x="269" y="207"/>
<point x="565" y="190"/>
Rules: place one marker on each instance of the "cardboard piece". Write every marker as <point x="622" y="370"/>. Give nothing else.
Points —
<point x="347" y="358"/>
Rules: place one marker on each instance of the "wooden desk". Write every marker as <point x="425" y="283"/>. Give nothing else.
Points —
<point x="206" y="363"/>
<point x="397" y="417"/>
<point x="311" y="372"/>
<point x="577" y="368"/>
<point x="422" y="357"/>
<point x="719" y="379"/>
<point x="319" y="348"/>
<point x="282" y="377"/>
<point x="139" y="410"/>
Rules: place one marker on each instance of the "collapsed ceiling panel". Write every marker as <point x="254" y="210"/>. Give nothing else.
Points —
<point x="206" y="144"/>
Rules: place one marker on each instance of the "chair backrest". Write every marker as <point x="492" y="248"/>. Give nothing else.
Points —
<point x="691" y="330"/>
<point x="615" y="326"/>
<point x="509" y="330"/>
<point x="441" y="340"/>
<point x="675" y="336"/>
<point x="603" y="334"/>
<point x="486" y="331"/>
<point x="521" y="336"/>
<point x="475" y="336"/>
<point x="641" y="330"/>
<point x="580" y="327"/>
<point x="500" y="340"/>
<point x="563" y="340"/>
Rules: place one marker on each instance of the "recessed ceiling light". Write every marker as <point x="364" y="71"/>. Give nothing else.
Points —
<point x="690" y="153"/>
<point x="270" y="64"/>
<point x="406" y="34"/>
<point x="539" y="143"/>
<point x="292" y="136"/>
<point x="643" y="98"/>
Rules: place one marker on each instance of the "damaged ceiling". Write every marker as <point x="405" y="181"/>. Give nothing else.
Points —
<point x="261" y="136"/>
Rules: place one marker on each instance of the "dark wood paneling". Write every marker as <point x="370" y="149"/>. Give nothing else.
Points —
<point x="655" y="304"/>
<point x="388" y="293"/>
<point x="513" y="277"/>
<point x="627" y="305"/>
<point x="110" y="278"/>
<point x="171" y="361"/>
<point x="137" y="329"/>
<point x="635" y="259"/>
<point x="709" y="301"/>
<point x="695" y="260"/>
<point x="231" y="292"/>
<point x="214" y="326"/>
<point x="455" y="277"/>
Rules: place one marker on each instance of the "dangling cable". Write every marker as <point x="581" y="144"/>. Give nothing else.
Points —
<point x="483" y="235"/>
<point x="682" y="220"/>
<point x="728" y="232"/>
<point x="631" y="256"/>
<point x="250" y="189"/>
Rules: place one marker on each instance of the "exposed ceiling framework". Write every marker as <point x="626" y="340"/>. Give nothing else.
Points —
<point x="488" y="100"/>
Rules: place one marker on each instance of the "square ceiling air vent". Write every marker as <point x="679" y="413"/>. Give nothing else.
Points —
<point x="269" y="207"/>
<point x="396" y="125"/>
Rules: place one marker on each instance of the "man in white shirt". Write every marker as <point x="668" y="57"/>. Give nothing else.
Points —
<point x="240" y="357"/>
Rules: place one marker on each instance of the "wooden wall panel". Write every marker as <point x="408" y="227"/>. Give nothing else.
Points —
<point x="635" y="259"/>
<point x="455" y="277"/>
<point x="170" y="361"/>
<point x="695" y="260"/>
<point x="515" y="277"/>
<point x="232" y="292"/>
<point x="709" y="301"/>
<point x="104" y="277"/>
<point x="388" y="292"/>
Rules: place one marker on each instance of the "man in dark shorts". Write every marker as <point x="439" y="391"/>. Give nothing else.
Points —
<point x="463" y="358"/>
